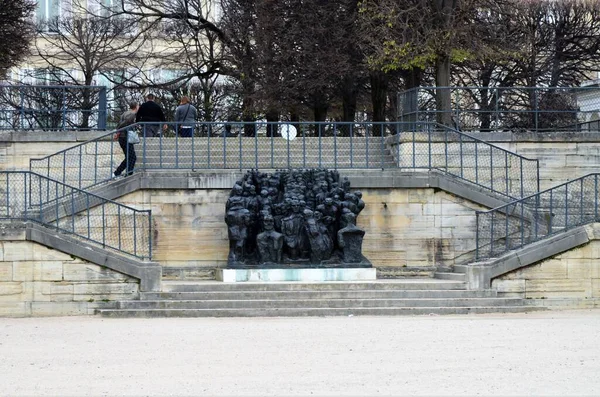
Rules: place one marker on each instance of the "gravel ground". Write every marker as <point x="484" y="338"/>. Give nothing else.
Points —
<point x="550" y="353"/>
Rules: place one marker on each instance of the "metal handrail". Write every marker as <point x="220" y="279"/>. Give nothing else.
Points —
<point x="436" y="146"/>
<point x="479" y="108"/>
<point x="219" y="145"/>
<point x="52" y="107"/>
<point x="27" y="196"/>
<point x="530" y="219"/>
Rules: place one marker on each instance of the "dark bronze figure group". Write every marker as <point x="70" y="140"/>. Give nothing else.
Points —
<point x="294" y="218"/>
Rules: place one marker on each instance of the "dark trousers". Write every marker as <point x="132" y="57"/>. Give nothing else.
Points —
<point x="129" y="152"/>
<point x="186" y="132"/>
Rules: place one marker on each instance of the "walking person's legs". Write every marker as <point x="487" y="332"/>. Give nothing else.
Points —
<point x="123" y="143"/>
<point x="131" y="158"/>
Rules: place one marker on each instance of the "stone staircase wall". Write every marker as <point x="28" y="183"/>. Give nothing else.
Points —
<point x="39" y="281"/>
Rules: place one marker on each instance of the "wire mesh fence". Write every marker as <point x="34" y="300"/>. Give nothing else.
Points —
<point x="26" y="196"/>
<point x="395" y="145"/>
<point x="538" y="216"/>
<point x="435" y="146"/>
<point x="537" y="109"/>
<point x="52" y="108"/>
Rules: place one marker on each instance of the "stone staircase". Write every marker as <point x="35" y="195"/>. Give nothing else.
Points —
<point x="381" y="297"/>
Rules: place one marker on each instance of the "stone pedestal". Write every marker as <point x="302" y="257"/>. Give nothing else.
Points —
<point x="307" y="275"/>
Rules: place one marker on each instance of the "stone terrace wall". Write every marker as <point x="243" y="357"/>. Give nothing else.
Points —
<point x="17" y="147"/>
<point x="409" y="231"/>
<point x="40" y="281"/>
<point x="571" y="278"/>
<point x="562" y="156"/>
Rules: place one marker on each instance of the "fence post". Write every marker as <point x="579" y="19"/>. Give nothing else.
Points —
<point x="22" y="107"/>
<point x="535" y="108"/>
<point x="476" y="235"/>
<point x="149" y="235"/>
<point x="102" y="109"/>
<point x="64" y="109"/>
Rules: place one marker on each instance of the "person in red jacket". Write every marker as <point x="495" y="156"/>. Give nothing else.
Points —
<point x="150" y="111"/>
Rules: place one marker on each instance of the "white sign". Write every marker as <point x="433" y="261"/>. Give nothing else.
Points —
<point x="288" y="132"/>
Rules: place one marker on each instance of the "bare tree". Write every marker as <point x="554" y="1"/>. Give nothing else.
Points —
<point x="16" y="32"/>
<point x="78" y="47"/>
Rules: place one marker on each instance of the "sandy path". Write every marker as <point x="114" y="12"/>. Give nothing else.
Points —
<point x="552" y="353"/>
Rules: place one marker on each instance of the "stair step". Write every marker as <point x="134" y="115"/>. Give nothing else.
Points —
<point x="408" y="284"/>
<point x="322" y="294"/>
<point x="316" y="303"/>
<point x="460" y="268"/>
<point x="449" y="276"/>
<point x="303" y="312"/>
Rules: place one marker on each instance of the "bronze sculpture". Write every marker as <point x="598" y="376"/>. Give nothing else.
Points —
<point x="294" y="218"/>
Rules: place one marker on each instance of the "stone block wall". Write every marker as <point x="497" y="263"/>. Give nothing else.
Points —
<point x="407" y="229"/>
<point x="39" y="281"/>
<point x="569" y="279"/>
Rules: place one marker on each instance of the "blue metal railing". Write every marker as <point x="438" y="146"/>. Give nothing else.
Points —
<point x="434" y="146"/>
<point x="52" y="107"/>
<point x="26" y="196"/>
<point x="538" y="216"/>
<point x="537" y="109"/>
<point x="327" y="145"/>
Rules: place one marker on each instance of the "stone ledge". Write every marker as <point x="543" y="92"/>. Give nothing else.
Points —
<point x="266" y="275"/>
<point x="480" y="274"/>
<point x="149" y="273"/>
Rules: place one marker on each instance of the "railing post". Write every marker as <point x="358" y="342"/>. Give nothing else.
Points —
<point x="119" y="223"/>
<point x="149" y="235"/>
<point x="87" y="202"/>
<point x="303" y="145"/>
<point x="521" y="169"/>
<point x="476" y="163"/>
<point x="102" y="109"/>
<point x="506" y="176"/>
<point x="193" y="159"/>
<point x="134" y="235"/>
<point x="351" y="145"/>
<point x="596" y="197"/>
<point x="492" y="233"/>
<point x="535" y="108"/>
<point x="103" y="225"/>
<point x="477" y="214"/>
<point x="566" y="206"/>
<point x="551" y="216"/>
<point x="382" y="145"/>
<point x="255" y="148"/>
<point x="366" y="147"/>
<point x="335" y="145"/>
<point x="210" y="126"/>
<point x="22" y="108"/>
<point x="288" y="146"/>
<point x="240" y="151"/>
<point x="492" y="168"/>
<point x="144" y="146"/>
<point x="64" y="109"/>
<point x="461" y="156"/>
<point x="80" y="164"/>
<point x="581" y="203"/>
<point x="320" y="143"/>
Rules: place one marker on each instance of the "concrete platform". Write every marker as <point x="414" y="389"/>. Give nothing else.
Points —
<point x="313" y="275"/>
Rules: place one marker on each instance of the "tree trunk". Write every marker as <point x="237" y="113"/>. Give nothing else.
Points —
<point x="443" y="95"/>
<point x="349" y="98"/>
<point x="272" y="117"/>
<point x="248" y="116"/>
<point x="379" y="86"/>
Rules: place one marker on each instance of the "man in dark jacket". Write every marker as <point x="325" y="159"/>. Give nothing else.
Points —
<point x="127" y="119"/>
<point x="148" y="112"/>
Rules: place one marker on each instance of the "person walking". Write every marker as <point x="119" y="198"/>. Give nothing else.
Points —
<point x="185" y="117"/>
<point x="151" y="111"/>
<point x="127" y="119"/>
